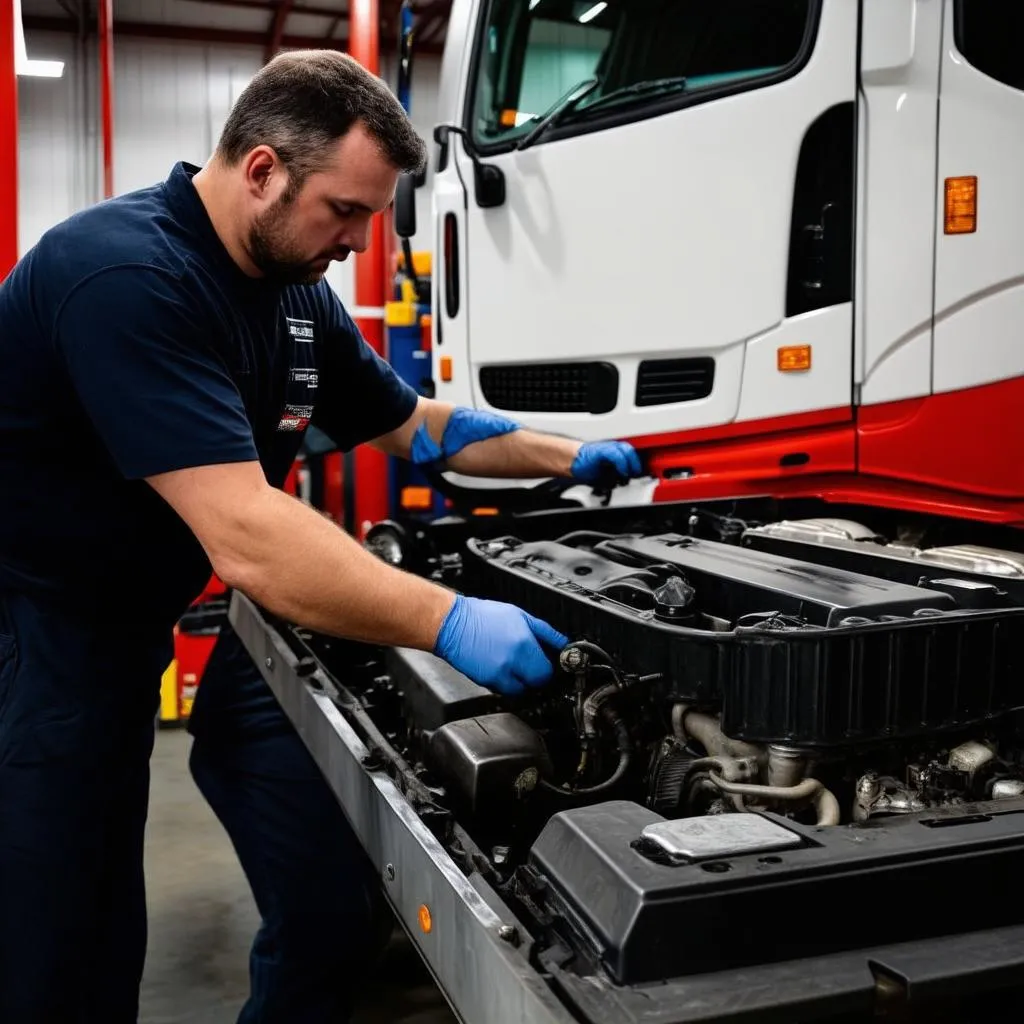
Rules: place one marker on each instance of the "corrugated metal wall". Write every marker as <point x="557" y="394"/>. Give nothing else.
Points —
<point x="171" y="100"/>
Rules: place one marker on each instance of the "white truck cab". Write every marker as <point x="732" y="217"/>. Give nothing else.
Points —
<point x="690" y="221"/>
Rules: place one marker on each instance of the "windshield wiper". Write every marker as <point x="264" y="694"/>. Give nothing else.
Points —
<point x="562" y="107"/>
<point x="637" y="90"/>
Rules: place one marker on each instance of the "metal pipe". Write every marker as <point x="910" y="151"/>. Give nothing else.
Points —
<point x="105" y="11"/>
<point x="786" y="765"/>
<point x="8" y="141"/>
<point x="687" y="723"/>
<point x="824" y="801"/>
<point x="371" y="466"/>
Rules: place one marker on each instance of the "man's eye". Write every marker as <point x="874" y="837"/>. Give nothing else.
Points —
<point x="343" y="211"/>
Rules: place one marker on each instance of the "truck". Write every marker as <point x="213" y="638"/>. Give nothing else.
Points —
<point x="774" y="243"/>
<point x="778" y="774"/>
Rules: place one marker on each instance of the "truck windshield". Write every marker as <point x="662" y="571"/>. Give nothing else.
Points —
<point x="530" y="53"/>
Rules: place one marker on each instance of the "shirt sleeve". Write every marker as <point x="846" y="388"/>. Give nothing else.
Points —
<point x="362" y="396"/>
<point x="149" y="375"/>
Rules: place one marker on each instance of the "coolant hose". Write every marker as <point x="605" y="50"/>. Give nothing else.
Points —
<point x="625" y="750"/>
<point x="825" y="803"/>
<point x="592" y="707"/>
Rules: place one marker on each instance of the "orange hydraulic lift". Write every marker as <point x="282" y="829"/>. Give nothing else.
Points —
<point x="8" y="142"/>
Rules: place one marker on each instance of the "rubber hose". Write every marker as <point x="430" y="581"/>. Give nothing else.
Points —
<point x="625" y="756"/>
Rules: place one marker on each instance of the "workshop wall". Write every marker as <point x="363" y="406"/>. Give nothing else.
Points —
<point x="171" y="100"/>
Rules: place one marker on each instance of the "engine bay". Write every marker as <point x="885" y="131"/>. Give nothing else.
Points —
<point x="755" y="719"/>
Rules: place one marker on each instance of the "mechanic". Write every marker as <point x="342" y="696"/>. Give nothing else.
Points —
<point x="162" y="355"/>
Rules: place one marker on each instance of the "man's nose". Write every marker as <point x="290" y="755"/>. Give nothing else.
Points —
<point x="357" y="237"/>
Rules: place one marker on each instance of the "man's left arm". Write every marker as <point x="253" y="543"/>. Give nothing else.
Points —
<point x="365" y="401"/>
<point x="477" y="442"/>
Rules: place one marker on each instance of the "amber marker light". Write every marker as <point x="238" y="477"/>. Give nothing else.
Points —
<point x="794" y="358"/>
<point x="961" y="205"/>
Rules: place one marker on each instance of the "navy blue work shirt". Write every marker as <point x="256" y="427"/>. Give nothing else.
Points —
<point x="132" y="344"/>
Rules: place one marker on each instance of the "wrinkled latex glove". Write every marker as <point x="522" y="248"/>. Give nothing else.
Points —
<point x="606" y="463"/>
<point x="497" y="645"/>
<point x="464" y="427"/>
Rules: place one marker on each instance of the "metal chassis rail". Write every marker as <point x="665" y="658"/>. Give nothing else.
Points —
<point x="483" y="975"/>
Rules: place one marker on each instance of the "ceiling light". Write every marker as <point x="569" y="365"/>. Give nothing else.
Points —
<point x="22" y="64"/>
<point x="41" y="68"/>
<point x="591" y="13"/>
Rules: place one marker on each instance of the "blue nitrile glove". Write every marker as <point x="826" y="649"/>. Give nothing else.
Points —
<point x="606" y="462"/>
<point x="497" y="645"/>
<point x="464" y="427"/>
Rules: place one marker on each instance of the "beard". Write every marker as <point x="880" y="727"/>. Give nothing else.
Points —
<point x="278" y="254"/>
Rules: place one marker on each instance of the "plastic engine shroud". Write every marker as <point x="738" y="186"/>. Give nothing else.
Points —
<point x="792" y="652"/>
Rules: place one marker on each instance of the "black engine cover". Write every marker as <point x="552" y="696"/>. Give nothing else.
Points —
<point x="790" y="651"/>
<point x="647" y="918"/>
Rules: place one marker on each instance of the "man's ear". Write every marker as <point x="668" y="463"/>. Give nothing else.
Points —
<point x="262" y="167"/>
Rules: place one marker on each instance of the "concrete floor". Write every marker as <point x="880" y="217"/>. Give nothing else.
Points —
<point x="202" y="918"/>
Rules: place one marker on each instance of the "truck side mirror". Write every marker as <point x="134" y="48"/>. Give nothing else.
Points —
<point x="488" y="179"/>
<point x="405" y="206"/>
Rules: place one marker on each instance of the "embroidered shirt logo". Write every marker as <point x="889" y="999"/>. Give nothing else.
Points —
<point x="300" y="330"/>
<point x="295" y="417"/>
<point x="303" y="377"/>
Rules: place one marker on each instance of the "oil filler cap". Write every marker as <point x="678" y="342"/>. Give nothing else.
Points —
<point x="673" y="600"/>
<point x="720" y="835"/>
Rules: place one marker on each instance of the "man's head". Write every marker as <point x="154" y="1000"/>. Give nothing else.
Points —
<point x="314" y="147"/>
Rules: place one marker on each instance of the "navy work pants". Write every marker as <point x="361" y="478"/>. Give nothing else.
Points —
<point x="78" y="701"/>
<point x="323" y="918"/>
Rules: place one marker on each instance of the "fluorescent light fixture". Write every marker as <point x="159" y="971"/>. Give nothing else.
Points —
<point x="533" y="3"/>
<point x="22" y="64"/>
<point x="591" y="13"/>
<point x="41" y="68"/>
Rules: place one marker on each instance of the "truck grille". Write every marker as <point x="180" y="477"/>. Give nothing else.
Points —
<point x="551" y="387"/>
<point x="661" y="381"/>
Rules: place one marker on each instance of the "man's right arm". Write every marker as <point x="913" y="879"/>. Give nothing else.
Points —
<point x="296" y="563"/>
<point x="305" y="569"/>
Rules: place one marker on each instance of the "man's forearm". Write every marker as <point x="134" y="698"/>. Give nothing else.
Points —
<point x="480" y="442"/>
<point x="521" y="454"/>
<point x="302" y="567"/>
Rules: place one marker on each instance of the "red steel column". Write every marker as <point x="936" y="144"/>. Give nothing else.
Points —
<point x="371" y="467"/>
<point x="106" y="33"/>
<point x="8" y="142"/>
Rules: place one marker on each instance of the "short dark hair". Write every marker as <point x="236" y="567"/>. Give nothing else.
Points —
<point x="304" y="100"/>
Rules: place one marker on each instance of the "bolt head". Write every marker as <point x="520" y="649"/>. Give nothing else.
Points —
<point x="507" y="933"/>
<point x="269" y="662"/>
<point x="572" y="659"/>
<point x="389" y="872"/>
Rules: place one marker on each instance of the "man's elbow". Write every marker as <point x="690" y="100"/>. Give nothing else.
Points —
<point x="236" y="572"/>
<point x="240" y="546"/>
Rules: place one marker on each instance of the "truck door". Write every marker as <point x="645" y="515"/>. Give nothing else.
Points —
<point x="979" y="273"/>
<point x="673" y="246"/>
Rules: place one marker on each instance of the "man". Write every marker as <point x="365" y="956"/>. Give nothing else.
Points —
<point x="162" y="354"/>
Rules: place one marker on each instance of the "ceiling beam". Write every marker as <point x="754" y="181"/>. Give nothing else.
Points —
<point x="277" y="29"/>
<point x="202" y="34"/>
<point x="274" y="5"/>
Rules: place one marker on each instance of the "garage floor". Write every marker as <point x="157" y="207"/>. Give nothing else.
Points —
<point x="202" y="917"/>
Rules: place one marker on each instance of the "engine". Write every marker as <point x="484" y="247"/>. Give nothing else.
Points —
<point x="707" y="677"/>
<point x="805" y="702"/>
